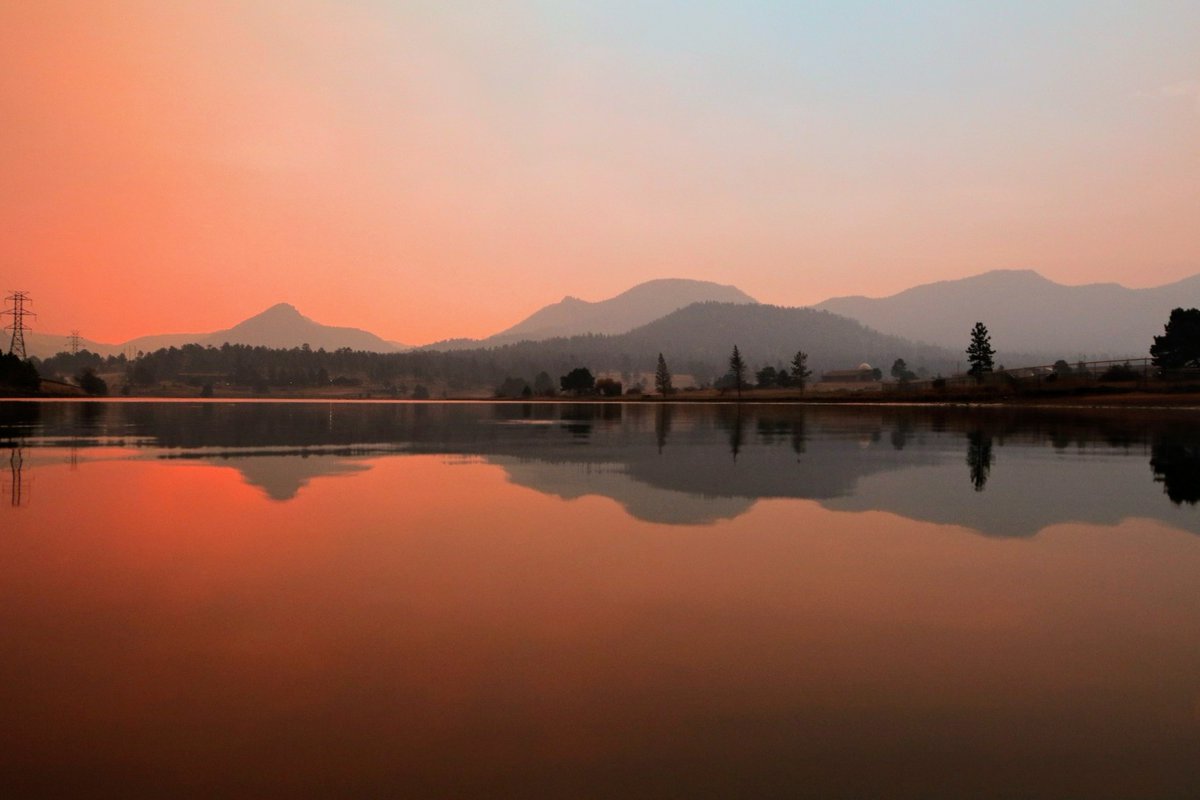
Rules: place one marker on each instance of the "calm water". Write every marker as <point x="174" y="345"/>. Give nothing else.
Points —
<point x="475" y="600"/>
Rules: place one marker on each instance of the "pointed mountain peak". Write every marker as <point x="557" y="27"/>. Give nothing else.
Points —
<point x="278" y="314"/>
<point x="636" y="306"/>
<point x="281" y="309"/>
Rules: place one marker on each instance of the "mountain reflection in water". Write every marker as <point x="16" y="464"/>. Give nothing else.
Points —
<point x="438" y="600"/>
<point x="998" y="471"/>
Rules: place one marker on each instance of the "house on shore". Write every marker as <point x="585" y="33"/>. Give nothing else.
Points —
<point x="863" y="378"/>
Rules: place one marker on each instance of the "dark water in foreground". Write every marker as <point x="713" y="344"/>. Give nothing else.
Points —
<point x="475" y="600"/>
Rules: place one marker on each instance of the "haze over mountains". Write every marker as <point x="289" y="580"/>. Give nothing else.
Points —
<point x="1031" y="320"/>
<point x="640" y="305"/>
<point x="1027" y="314"/>
<point x="703" y="333"/>
<point x="696" y="340"/>
<point x="280" y="326"/>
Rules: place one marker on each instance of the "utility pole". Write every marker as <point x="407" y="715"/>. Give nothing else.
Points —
<point x="73" y="341"/>
<point x="18" y="326"/>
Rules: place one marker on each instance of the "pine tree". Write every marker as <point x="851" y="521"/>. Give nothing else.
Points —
<point x="662" y="377"/>
<point x="980" y="352"/>
<point x="737" y="370"/>
<point x="1179" y="346"/>
<point x="800" y="370"/>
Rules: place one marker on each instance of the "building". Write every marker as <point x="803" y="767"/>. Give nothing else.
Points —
<point x="862" y="378"/>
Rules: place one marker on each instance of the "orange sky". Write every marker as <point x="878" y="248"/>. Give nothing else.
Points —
<point x="437" y="170"/>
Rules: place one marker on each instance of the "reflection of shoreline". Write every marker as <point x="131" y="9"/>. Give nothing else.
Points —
<point x="993" y="470"/>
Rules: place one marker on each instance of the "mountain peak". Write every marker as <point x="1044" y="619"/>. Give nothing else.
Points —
<point x="687" y="284"/>
<point x="1012" y="275"/>
<point x="281" y="309"/>
<point x="635" y="306"/>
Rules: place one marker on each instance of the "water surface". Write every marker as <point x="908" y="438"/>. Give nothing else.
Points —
<point x="549" y="600"/>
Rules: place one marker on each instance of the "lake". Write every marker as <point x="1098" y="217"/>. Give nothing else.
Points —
<point x="597" y="600"/>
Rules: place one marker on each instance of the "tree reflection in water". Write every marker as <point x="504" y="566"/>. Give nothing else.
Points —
<point x="1077" y="464"/>
<point x="731" y="420"/>
<point x="1176" y="465"/>
<point x="662" y="425"/>
<point x="979" y="457"/>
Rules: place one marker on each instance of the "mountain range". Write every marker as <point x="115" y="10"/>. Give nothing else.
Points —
<point x="632" y="308"/>
<point x="696" y="341"/>
<point x="1027" y="314"/>
<point x="280" y="326"/>
<point x="1031" y="320"/>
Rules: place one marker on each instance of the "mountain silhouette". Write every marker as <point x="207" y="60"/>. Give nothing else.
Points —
<point x="632" y="308"/>
<point x="697" y="340"/>
<point x="766" y="334"/>
<point x="280" y="326"/>
<point x="1028" y="315"/>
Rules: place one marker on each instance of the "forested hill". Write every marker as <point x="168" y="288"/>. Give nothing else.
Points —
<point x="705" y="333"/>
<point x="696" y="340"/>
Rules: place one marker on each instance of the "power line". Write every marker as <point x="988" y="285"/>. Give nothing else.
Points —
<point x="73" y="341"/>
<point x="18" y="326"/>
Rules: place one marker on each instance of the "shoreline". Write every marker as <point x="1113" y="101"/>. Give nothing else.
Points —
<point x="1183" y="400"/>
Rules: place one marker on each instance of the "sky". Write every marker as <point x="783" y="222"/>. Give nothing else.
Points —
<point x="427" y="170"/>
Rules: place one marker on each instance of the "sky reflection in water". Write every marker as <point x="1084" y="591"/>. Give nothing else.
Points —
<point x="445" y="600"/>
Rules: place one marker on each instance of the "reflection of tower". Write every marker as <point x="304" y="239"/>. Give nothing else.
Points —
<point x="73" y="342"/>
<point x="18" y="326"/>
<point x="16" y="462"/>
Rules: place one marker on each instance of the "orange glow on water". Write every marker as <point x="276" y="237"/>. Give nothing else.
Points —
<point x="374" y="629"/>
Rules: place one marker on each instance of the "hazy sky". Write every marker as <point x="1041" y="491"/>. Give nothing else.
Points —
<point x="434" y="169"/>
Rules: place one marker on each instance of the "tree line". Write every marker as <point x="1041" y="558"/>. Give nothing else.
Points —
<point x="411" y="374"/>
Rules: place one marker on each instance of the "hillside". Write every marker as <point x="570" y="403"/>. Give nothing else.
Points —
<point x="637" y="306"/>
<point x="698" y="340"/>
<point x="1026" y="313"/>
<point x="767" y="334"/>
<point x="280" y="326"/>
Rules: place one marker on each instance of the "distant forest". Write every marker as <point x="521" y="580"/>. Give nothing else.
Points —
<point x="695" y="341"/>
<point x="401" y="374"/>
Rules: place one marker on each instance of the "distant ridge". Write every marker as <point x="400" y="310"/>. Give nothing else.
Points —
<point x="281" y="325"/>
<point x="698" y="339"/>
<point x="1026" y="313"/>
<point x="636" y="306"/>
<point x="767" y="334"/>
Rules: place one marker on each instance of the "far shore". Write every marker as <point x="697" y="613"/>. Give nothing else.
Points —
<point x="1155" y="396"/>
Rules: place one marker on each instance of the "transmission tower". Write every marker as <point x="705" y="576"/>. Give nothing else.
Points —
<point x="19" y="312"/>
<point x="73" y="341"/>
